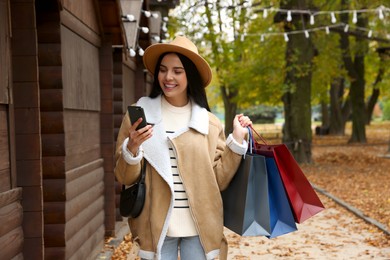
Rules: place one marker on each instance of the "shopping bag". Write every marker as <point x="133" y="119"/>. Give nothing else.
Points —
<point x="302" y="197"/>
<point x="245" y="200"/>
<point x="281" y="217"/>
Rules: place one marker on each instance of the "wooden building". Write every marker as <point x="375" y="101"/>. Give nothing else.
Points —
<point x="66" y="76"/>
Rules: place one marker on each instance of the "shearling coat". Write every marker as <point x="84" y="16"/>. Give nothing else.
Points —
<point x="206" y="165"/>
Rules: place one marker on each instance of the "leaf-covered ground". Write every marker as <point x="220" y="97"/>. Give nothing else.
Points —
<point x="359" y="174"/>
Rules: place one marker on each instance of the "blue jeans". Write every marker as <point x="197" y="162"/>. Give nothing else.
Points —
<point x="190" y="248"/>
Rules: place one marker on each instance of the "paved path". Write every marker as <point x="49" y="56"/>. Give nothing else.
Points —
<point x="334" y="233"/>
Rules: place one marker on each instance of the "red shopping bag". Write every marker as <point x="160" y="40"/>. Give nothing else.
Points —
<point x="302" y="197"/>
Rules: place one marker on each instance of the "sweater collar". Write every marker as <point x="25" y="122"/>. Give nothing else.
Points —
<point x="152" y="107"/>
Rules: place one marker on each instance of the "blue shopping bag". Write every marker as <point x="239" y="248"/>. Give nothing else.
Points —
<point x="281" y="215"/>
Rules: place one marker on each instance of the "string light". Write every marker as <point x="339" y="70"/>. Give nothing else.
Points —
<point x="369" y="35"/>
<point x="307" y="34"/>
<point x="333" y="17"/>
<point x="354" y="18"/>
<point x="289" y="18"/>
<point x="132" y="52"/>
<point x="311" y="19"/>
<point x="140" y="51"/>
<point x="346" y="28"/>
<point x="381" y="16"/>
<point x="128" y="18"/>
<point x="265" y="13"/>
<point x="286" y="37"/>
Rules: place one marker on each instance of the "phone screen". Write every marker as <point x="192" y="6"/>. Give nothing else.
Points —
<point x="136" y="112"/>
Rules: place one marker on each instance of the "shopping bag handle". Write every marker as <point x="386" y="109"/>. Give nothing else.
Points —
<point x="262" y="139"/>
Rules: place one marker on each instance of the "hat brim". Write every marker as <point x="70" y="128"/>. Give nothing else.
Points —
<point x="153" y="52"/>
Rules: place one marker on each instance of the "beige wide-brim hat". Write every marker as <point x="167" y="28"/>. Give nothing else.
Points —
<point x="183" y="46"/>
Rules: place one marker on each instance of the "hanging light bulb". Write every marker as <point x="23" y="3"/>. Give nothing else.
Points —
<point x="155" y="15"/>
<point x="307" y="34"/>
<point x="286" y="37"/>
<point x="140" y="51"/>
<point x="145" y="29"/>
<point x="130" y="17"/>
<point x="262" y="37"/>
<point x="265" y="13"/>
<point x="327" y="30"/>
<point x="333" y="18"/>
<point x="354" y="18"/>
<point x="311" y="19"/>
<point x="132" y="52"/>
<point x="289" y="18"/>
<point x="346" y="28"/>
<point x="369" y="34"/>
<point x="147" y="14"/>
<point x="380" y="13"/>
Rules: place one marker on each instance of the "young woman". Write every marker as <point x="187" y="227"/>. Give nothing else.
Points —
<point x="187" y="158"/>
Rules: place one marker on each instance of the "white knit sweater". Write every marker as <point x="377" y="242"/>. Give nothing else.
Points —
<point x="181" y="222"/>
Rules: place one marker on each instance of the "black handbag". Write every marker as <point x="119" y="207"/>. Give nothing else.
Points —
<point x="132" y="199"/>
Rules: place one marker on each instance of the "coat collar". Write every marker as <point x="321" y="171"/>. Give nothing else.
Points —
<point x="156" y="149"/>
<point x="152" y="107"/>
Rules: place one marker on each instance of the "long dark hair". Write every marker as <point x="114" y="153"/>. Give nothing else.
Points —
<point x="195" y="88"/>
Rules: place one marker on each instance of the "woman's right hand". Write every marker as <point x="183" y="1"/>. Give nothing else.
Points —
<point x="137" y="137"/>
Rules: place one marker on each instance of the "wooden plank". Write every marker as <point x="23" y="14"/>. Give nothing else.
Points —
<point x="5" y="180"/>
<point x="51" y="99"/>
<point x="76" y="223"/>
<point x="32" y="198"/>
<point x="27" y="120"/>
<point x="80" y="18"/>
<point x="32" y="226"/>
<point x="10" y="196"/>
<point x="50" y="77"/>
<point x="53" y="145"/>
<point x="54" y="235"/>
<point x="53" y="167"/>
<point x="52" y="122"/>
<point x="91" y="247"/>
<point x="33" y="142"/>
<point x="82" y="140"/>
<point x="80" y="72"/>
<point x="5" y="67"/>
<point x="79" y="185"/>
<point x="55" y="212"/>
<point x="25" y="68"/>
<point x="4" y="144"/>
<point x="33" y="248"/>
<point x="54" y="190"/>
<point x="11" y="244"/>
<point x="49" y="54"/>
<point x="21" y="98"/>
<point x="77" y="204"/>
<point x="11" y="217"/>
<point x="82" y="170"/>
<point x="32" y="170"/>
<point x="74" y="243"/>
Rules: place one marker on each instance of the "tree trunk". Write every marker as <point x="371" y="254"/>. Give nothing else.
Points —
<point x="230" y="109"/>
<point x="325" y="115"/>
<point x="297" y="104"/>
<point x="383" y="54"/>
<point x="371" y="104"/>
<point x="356" y="71"/>
<point x="337" y="120"/>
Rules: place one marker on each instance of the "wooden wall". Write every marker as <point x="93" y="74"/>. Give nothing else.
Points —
<point x="73" y="166"/>
<point x="26" y="118"/>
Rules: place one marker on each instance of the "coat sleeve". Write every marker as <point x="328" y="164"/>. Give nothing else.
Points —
<point x="125" y="173"/>
<point x="226" y="161"/>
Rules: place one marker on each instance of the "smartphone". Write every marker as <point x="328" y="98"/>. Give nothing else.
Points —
<point x="135" y="113"/>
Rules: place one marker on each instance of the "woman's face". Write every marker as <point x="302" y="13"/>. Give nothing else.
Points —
<point x="173" y="80"/>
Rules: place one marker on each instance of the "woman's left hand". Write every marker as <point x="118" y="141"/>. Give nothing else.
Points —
<point x="240" y="124"/>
